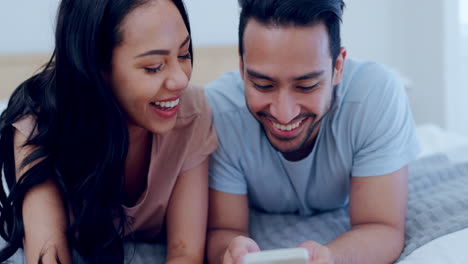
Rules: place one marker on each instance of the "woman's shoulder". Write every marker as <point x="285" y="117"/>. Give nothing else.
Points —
<point x="195" y="128"/>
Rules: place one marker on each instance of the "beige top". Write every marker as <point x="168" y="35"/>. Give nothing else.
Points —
<point x="189" y="143"/>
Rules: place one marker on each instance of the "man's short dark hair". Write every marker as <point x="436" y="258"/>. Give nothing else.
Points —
<point x="298" y="13"/>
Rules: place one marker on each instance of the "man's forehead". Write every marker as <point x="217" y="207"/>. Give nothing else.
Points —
<point x="259" y="36"/>
<point x="255" y="25"/>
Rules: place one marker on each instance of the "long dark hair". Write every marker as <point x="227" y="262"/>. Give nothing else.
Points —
<point x="81" y="138"/>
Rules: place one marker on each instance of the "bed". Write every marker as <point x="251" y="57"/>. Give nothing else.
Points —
<point x="437" y="220"/>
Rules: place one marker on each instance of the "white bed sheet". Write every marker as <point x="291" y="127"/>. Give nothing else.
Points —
<point x="450" y="248"/>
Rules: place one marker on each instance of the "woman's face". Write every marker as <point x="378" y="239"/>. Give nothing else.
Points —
<point x="151" y="67"/>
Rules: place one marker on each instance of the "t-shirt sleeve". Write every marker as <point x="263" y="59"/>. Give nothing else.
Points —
<point x="385" y="133"/>
<point x="26" y="125"/>
<point x="204" y="139"/>
<point x="225" y="171"/>
<point x="225" y="174"/>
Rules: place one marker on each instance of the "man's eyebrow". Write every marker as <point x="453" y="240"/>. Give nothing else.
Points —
<point x="312" y="75"/>
<point x="255" y="74"/>
<point x="162" y="51"/>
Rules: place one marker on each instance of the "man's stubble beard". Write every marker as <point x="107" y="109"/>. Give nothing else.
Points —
<point x="306" y="143"/>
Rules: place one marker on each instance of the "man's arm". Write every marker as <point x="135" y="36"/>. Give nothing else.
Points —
<point x="228" y="227"/>
<point x="44" y="217"/>
<point x="377" y="211"/>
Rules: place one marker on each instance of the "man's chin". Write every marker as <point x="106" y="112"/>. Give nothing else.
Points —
<point x="284" y="145"/>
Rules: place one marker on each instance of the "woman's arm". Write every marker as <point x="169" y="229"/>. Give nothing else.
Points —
<point x="187" y="215"/>
<point x="44" y="217"/>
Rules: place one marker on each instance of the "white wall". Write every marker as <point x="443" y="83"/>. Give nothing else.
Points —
<point x="419" y="43"/>
<point x="455" y="74"/>
<point x="365" y="29"/>
<point x="27" y="26"/>
<point x="421" y="40"/>
<point x="213" y="22"/>
<point x="464" y="11"/>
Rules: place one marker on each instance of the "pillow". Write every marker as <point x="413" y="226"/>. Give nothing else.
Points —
<point x="434" y="139"/>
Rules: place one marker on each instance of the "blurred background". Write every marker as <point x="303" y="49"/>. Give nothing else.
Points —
<point x="426" y="41"/>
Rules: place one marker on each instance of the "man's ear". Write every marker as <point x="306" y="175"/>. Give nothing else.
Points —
<point x="241" y="66"/>
<point x="339" y="66"/>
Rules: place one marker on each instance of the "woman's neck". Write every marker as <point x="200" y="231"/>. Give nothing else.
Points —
<point x="136" y="133"/>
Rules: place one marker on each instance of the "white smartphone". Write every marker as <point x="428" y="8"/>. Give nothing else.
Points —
<point x="278" y="256"/>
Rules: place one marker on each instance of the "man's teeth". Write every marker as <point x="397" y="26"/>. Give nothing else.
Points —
<point x="168" y="104"/>
<point x="287" y="127"/>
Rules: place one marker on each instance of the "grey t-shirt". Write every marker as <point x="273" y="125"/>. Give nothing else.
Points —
<point x="369" y="131"/>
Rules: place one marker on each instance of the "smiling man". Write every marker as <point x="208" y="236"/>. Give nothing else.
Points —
<point x="304" y="130"/>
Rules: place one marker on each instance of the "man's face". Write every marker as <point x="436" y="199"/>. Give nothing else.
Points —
<point x="289" y="82"/>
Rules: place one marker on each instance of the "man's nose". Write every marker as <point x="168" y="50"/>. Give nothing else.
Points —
<point x="284" y="107"/>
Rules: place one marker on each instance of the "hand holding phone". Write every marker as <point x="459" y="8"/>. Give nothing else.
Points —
<point x="278" y="256"/>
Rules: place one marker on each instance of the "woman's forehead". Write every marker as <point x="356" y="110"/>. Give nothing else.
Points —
<point x="157" y="24"/>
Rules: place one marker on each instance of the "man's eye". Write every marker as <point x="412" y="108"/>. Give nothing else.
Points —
<point x="307" y="88"/>
<point x="186" y="56"/>
<point x="153" y="70"/>
<point x="262" y="87"/>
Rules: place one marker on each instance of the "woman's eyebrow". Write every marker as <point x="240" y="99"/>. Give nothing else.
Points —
<point x="162" y="51"/>
<point x="185" y="41"/>
<point x="154" y="52"/>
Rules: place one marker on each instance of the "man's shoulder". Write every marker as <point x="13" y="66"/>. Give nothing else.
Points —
<point x="362" y="79"/>
<point x="226" y="93"/>
<point x="226" y="98"/>
<point x="367" y="91"/>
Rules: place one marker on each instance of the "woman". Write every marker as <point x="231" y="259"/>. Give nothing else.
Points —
<point x="107" y="141"/>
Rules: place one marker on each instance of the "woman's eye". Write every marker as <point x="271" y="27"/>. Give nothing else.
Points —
<point x="153" y="70"/>
<point x="186" y="56"/>
<point x="262" y="87"/>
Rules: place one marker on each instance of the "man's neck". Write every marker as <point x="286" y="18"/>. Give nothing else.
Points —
<point x="302" y="153"/>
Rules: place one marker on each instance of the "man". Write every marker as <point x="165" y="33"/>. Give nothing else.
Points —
<point x="303" y="130"/>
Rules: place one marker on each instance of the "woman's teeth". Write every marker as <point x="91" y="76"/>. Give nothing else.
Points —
<point x="287" y="127"/>
<point x="166" y="104"/>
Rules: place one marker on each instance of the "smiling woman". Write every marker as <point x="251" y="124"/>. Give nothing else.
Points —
<point x="109" y="141"/>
